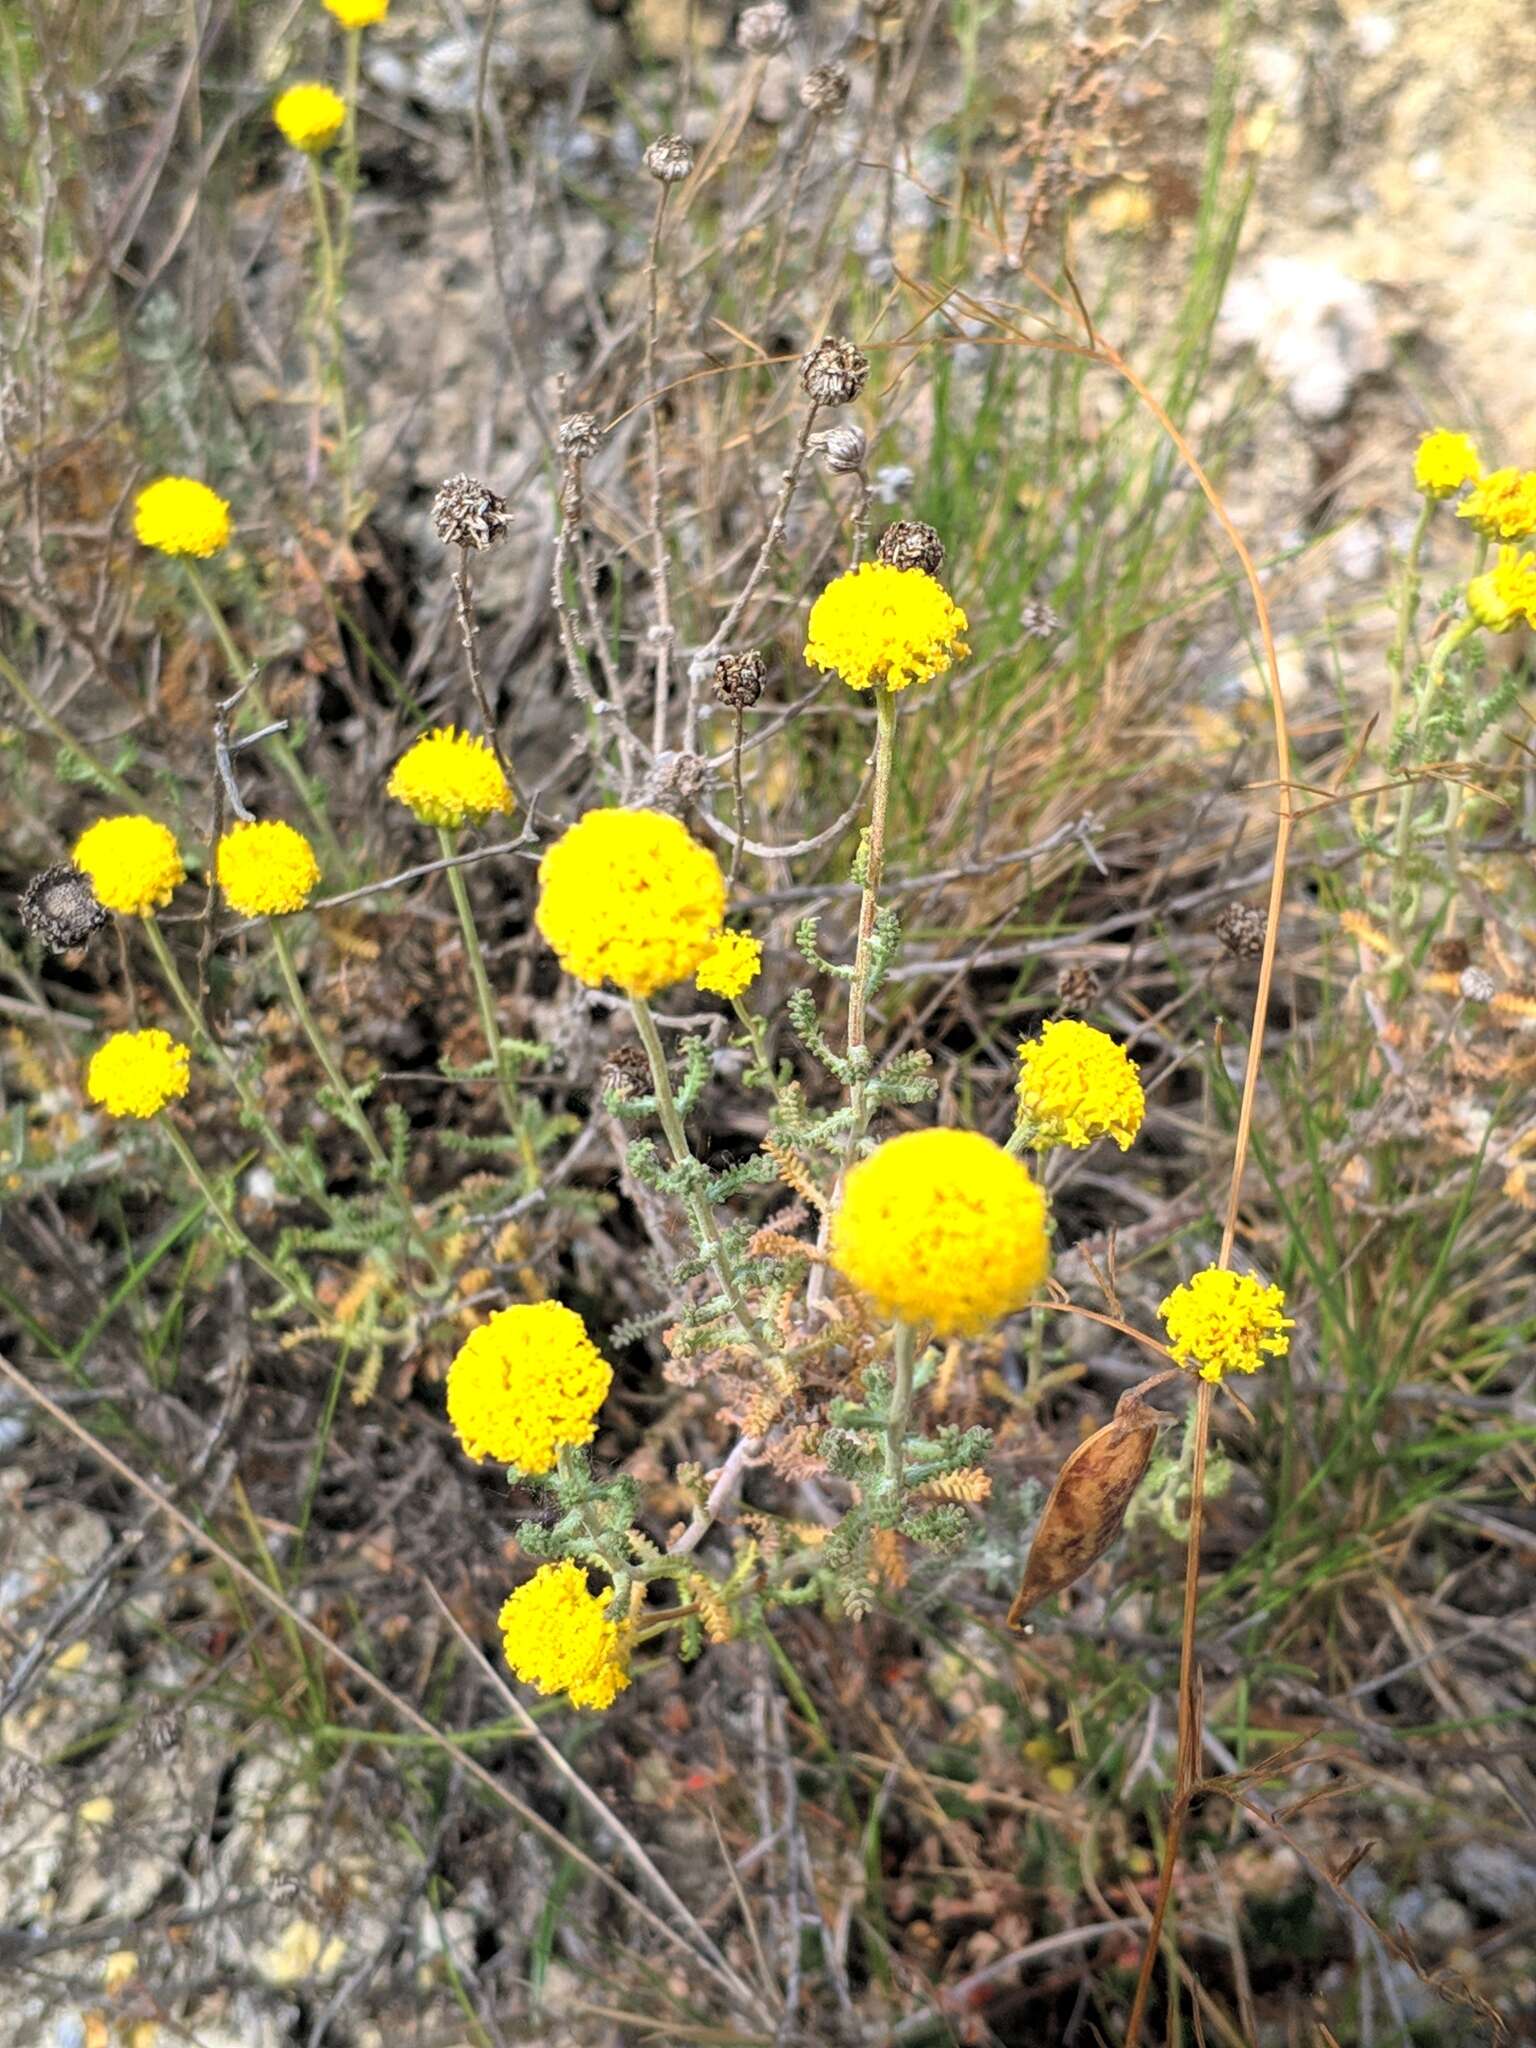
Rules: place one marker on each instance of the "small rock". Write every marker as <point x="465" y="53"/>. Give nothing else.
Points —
<point x="1495" y="1879"/>
<point x="1316" y="331"/>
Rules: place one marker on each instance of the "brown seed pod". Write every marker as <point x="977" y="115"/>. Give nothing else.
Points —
<point x="1088" y="1502"/>
<point x="764" y="28"/>
<point x="1078" y="989"/>
<point x="58" y="908"/>
<point x="911" y="544"/>
<point x="580" y="435"/>
<point x="468" y="514"/>
<point x="825" y="90"/>
<point x="834" y="372"/>
<point x="738" y="679"/>
<point x="1241" y="929"/>
<point x="1450" y="956"/>
<point x="669" y="158"/>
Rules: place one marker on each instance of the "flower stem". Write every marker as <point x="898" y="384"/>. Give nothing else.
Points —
<point x="484" y="1000"/>
<point x="869" y="904"/>
<point x="290" y="1283"/>
<point x="899" y="1415"/>
<point x="330" y="298"/>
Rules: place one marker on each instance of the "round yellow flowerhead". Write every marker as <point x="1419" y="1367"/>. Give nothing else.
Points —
<point x="558" y="1637"/>
<point x="731" y="966"/>
<point x="136" y="1073"/>
<point x="1505" y="595"/>
<point x="310" y="117"/>
<point x="882" y="627"/>
<point x="1444" y="462"/>
<point x="357" y="13"/>
<point x="1221" y="1322"/>
<point x="528" y="1380"/>
<point x="450" y="778"/>
<point x="266" y="868"/>
<point x="630" y="897"/>
<point x="944" y="1228"/>
<point x="179" y="516"/>
<point x="1502" y="506"/>
<point x="1076" y="1084"/>
<point x="134" y="864"/>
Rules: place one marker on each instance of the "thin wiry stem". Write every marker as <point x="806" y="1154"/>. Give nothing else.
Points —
<point x="738" y="798"/>
<point x="464" y="604"/>
<point x="661" y="574"/>
<point x="485" y="1002"/>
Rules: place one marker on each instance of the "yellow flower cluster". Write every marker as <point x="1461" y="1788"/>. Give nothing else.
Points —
<point x="1504" y="596"/>
<point x="882" y="626"/>
<point x="450" y="778"/>
<point x="528" y="1380"/>
<point x="310" y="117"/>
<point x="136" y="1073"/>
<point x="732" y="965"/>
<point x="558" y="1637"/>
<point x="134" y="864"/>
<point x="630" y="897"/>
<point x="357" y="13"/>
<point x="1503" y="505"/>
<point x="943" y="1228"/>
<point x="1076" y="1084"/>
<point x="266" y="868"/>
<point x="179" y="516"/>
<point x="1221" y="1322"/>
<point x="1444" y="462"/>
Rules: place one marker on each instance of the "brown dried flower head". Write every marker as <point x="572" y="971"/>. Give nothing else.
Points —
<point x="580" y="435"/>
<point x="1241" y="929"/>
<point x="911" y="544"/>
<point x="1078" y="989"/>
<point x="834" y="372"/>
<point x="468" y="514"/>
<point x="825" y="90"/>
<point x="59" y="909"/>
<point x="626" y="1072"/>
<point x="1039" y="620"/>
<point x="739" y="678"/>
<point x="843" y="449"/>
<point x="764" y="29"/>
<point x="1450" y="956"/>
<point x="669" y="159"/>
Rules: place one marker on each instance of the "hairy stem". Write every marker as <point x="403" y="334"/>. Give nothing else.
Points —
<point x="660" y="567"/>
<point x="290" y="1283"/>
<point x="485" y="1002"/>
<point x="899" y="1416"/>
<point x="330" y="299"/>
<point x="869" y="904"/>
<point x="464" y="604"/>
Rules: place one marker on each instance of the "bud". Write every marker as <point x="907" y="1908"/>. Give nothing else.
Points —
<point x="824" y="90"/>
<point x="911" y="544"/>
<point x="1078" y="989"/>
<point x="1450" y="956"/>
<point x="739" y="678"/>
<point x="1241" y="929"/>
<point x="669" y="159"/>
<point x="834" y="372"/>
<point x="843" y="449"/>
<point x="580" y="435"/>
<point x="1039" y="620"/>
<point x="764" y="29"/>
<point x="626" y="1072"/>
<point x="58" y="908"/>
<point x="468" y="514"/>
<point x="1478" y="985"/>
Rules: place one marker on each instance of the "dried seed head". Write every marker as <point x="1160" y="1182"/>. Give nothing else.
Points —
<point x="676" y="780"/>
<point x="843" y="449"/>
<point x="764" y="29"/>
<point x="1478" y="985"/>
<point x="59" y="909"/>
<point x="825" y="90"/>
<point x="911" y="544"/>
<point x="1039" y="620"/>
<point x="738" y="679"/>
<point x="580" y="435"/>
<point x="669" y="159"/>
<point x="1078" y="988"/>
<point x="1241" y="930"/>
<point x="1450" y="956"/>
<point x="834" y="372"/>
<point x="468" y="514"/>
<point x="626" y="1072"/>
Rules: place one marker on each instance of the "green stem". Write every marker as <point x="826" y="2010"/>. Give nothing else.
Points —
<point x="485" y="1002"/>
<point x="1447" y="645"/>
<point x="291" y="1283"/>
<point x="62" y="737"/>
<point x="330" y="294"/>
<point x="869" y="904"/>
<point x="899" y="1415"/>
<point x="347" y="174"/>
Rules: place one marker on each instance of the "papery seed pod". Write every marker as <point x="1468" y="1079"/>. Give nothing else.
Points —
<point x="669" y="159"/>
<point x="468" y="514"/>
<point x="834" y="372"/>
<point x="764" y="29"/>
<point x="675" y="781"/>
<point x="580" y="435"/>
<point x="1078" y="989"/>
<point x="911" y="544"/>
<point x="1450" y="956"/>
<point x="626" y="1072"/>
<point x="1478" y="985"/>
<point x="1039" y="620"/>
<point x="59" y="909"/>
<point x="843" y="449"/>
<point x="1241" y="929"/>
<point x="739" y="678"/>
<point x="825" y="90"/>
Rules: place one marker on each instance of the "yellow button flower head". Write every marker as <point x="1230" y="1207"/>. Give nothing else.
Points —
<point x="528" y="1380"/>
<point x="1505" y="595"/>
<point x="1503" y="505"/>
<point x="942" y="1227"/>
<point x="882" y="626"/>
<point x="310" y="117"/>
<point x="136" y="1073"/>
<point x="1224" y="1322"/>
<point x="179" y="516"/>
<point x="450" y="778"/>
<point x="630" y="897"/>
<point x="134" y="864"/>
<point x="1444" y="463"/>
<point x="731" y="966"/>
<point x="1076" y="1084"/>
<point x="357" y="13"/>
<point x="558" y="1637"/>
<point x="266" y="868"/>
